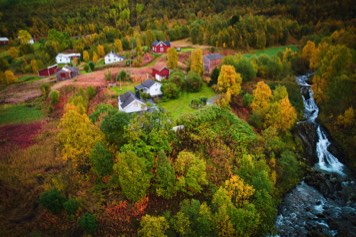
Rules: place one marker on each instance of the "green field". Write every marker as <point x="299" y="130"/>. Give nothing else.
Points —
<point x="28" y="78"/>
<point x="124" y="88"/>
<point x="180" y="106"/>
<point x="270" y="51"/>
<point x="12" y="114"/>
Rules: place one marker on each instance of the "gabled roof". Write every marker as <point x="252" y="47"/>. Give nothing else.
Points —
<point x="148" y="83"/>
<point x="213" y="56"/>
<point x="126" y="99"/>
<point x="68" y="69"/>
<point x="115" y="54"/>
<point x="69" y="55"/>
<point x="4" y="39"/>
<point x="167" y="43"/>
<point x="160" y="69"/>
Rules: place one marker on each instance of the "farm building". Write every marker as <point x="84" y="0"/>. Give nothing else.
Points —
<point x="4" y="40"/>
<point x="113" y="58"/>
<point x="66" y="58"/>
<point x="46" y="72"/>
<point x="128" y="103"/>
<point x="211" y="61"/>
<point x="160" y="46"/>
<point x="67" y="73"/>
<point x="160" y="73"/>
<point x="149" y="87"/>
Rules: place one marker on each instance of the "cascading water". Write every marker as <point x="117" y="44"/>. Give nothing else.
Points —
<point x="322" y="205"/>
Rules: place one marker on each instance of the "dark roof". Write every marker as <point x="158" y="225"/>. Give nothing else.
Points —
<point x="165" y="42"/>
<point x="68" y="69"/>
<point x="213" y="56"/>
<point x="126" y="99"/>
<point x="148" y="83"/>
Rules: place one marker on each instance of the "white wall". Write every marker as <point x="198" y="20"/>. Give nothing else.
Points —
<point x="112" y="58"/>
<point x="155" y="89"/>
<point x="135" y="106"/>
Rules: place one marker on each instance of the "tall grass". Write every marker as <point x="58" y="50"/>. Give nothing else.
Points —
<point x="22" y="113"/>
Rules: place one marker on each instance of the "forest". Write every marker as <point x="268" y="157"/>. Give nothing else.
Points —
<point x="73" y="165"/>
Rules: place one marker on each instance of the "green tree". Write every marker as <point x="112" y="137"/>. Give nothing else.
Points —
<point x="191" y="173"/>
<point x="170" y="90"/>
<point x="152" y="226"/>
<point x="52" y="200"/>
<point x="172" y="57"/>
<point x="113" y="126"/>
<point x="134" y="178"/>
<point x="196" y="61"/>
<point x="101" y="160"/>
<point x="150" y="38"/>
<point x="165" y="177"/>
<point x="246" y="69"/>
<point x="54" y="95"/>
<point x="88" y="223"/>
<point x="193" y="82"/>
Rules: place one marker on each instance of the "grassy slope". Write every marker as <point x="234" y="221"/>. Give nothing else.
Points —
<point x="180" y="106"/>
<point x="12" y="114"/>
<point x="270" y="51"/>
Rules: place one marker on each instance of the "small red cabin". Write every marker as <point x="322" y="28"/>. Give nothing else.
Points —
<point x="160" y="73"/>
<point x="160" y="46"/>
<point x="67" y="73"/>
<point x="4" y="40"/>
<point x="46" y="72"/>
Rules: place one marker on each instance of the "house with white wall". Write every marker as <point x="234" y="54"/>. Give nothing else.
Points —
<point x="66" y="58"/>
<point x="113" y="58"/>
<point x="128" y="103"/>
<point x="150" y="87"/>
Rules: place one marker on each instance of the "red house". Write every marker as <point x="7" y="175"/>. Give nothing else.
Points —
<point x="67" y="73"/>
<point x="4" y="40"/>
<point x="211" y="61"/>
<point x="46" y="72"/>
<point x="160" y="73"/>
<point x="160" y="46"/>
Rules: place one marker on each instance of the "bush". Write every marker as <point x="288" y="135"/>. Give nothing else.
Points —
<point x="101" y="160"/>
<point x="247" y="99"/>
<point x="88" y="222"/>
<point x="214" y="76"/>
<point x="54" y="95"/>
<point x="71" y="206"/>
<point x="86" y="68"/>
<point x="170" y="90"/>
<point x="45" y="88"/>
<point x="91" y="92"/>
<point x="52" y="200"/>
<point x="108" y="75"/>
<point x="194" y="82"/>
<point x="91" y="65"/>
<point x="245" y="68"/>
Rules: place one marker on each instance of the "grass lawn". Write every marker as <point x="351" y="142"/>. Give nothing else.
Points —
<point x="188" y="49"/>
<point x="28" y="78"/>
<point x="126" y="86"/>
<point x="153" y="62"/>
<point x="180" y="106"/>
<point x="12" y="114"/>
<point x="270" y="51"/>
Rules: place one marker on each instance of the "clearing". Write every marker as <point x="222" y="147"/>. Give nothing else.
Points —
<point x="21" y="113"/>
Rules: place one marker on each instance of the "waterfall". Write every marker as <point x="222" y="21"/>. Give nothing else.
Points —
<point x="326" y="161"/>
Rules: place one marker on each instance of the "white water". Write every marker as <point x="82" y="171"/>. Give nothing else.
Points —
<point x="326" y="161"/>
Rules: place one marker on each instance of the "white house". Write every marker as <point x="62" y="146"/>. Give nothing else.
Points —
<point x="4" y="40"/>
<point x="31" y="41"/>
<point x="66" y="58"/>
<point x="128" y="103"/>
<point x="112" y="58"/>
<point x="150" y="87"/>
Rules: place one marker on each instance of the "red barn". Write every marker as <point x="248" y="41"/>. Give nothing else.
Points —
<point x="160" y="73"/>
<point x="160" y="46"/>
<point x="4" y="40"/>
<point x="46" y="72"/>
<point x="67" y="73"/>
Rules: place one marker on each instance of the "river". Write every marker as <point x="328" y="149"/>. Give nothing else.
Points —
<point x="323" y="204"/>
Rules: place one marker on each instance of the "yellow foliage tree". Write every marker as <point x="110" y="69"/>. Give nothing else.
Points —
<point x="229" y="83"/>
<point x="196" y="61"/>
<point x="101" y="51"/>
<point x="118" y="45"/>
<point x="319" y="88"/>
<point x="13" y="52"/>
<point x="172" y="57"/>
<point x="238" y="191"/>
<point x="9" y="77"/>
<point x="281" y="115"/>
<point x="308" y="50"/>
<point x="86" y="56"/>
<point x="77" y="136"/>
<point x="34" y="66"/>
<point x="261" y="97"/>
<point x="347" y="120"/>
<point x="95" y="57"/>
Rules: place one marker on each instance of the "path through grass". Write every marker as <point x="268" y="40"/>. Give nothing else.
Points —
<point x="14" y="114"/>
